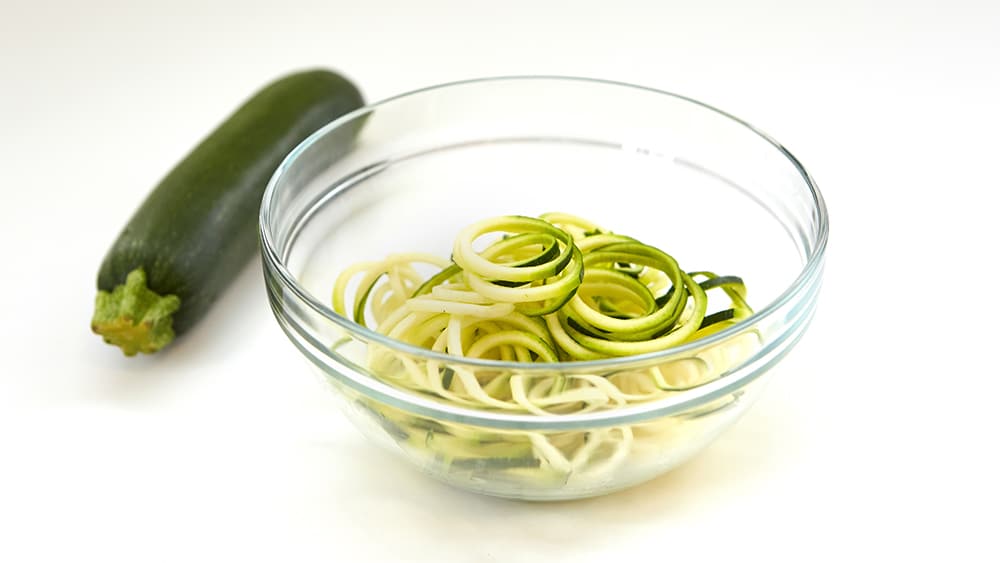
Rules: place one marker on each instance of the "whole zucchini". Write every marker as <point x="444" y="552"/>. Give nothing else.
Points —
<point x="198" y="228"/>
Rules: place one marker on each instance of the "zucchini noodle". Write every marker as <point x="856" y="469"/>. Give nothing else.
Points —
<point x="555" y="289"/>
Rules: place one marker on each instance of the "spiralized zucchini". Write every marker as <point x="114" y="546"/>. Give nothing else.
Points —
<point x="552" y="289"/>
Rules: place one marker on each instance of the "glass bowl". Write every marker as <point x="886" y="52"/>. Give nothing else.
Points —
<point x="407" y="173"/>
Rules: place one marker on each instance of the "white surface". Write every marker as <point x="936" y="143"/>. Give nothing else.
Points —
<point x="876" y="440"/>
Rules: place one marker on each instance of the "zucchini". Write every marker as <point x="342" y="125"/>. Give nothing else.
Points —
<point x="573" y="292"/>
<point x="197" y="229"/>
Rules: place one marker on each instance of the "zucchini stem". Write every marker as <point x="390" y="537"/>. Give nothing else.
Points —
<point x="134" y="317"/>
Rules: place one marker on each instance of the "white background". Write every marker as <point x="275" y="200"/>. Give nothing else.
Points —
<point x="877" y="440"/>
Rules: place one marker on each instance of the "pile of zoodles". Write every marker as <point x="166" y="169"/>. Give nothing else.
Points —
<point x="556" y="288"/>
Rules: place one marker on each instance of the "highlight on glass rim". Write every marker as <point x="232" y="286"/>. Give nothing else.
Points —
<point x="540" y="290"/>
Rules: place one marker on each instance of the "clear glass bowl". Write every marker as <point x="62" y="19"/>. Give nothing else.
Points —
<point x="406" y="173"/>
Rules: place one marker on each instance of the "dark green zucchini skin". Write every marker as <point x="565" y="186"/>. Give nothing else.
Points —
<point x="197" y="229"/>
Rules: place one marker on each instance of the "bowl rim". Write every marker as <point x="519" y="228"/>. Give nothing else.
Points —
<point x="808" y="271"/>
